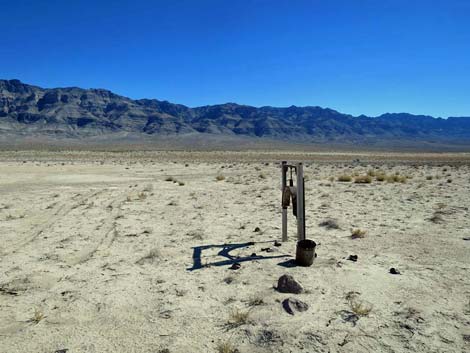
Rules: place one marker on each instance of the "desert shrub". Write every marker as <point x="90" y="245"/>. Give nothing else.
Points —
<point x="363" y="179"/>
<point x="395" y="178"/>
<point x="358" y="233"/>
<point x="226" y="347"/>
<point x="345" y="178"/>
<point x="359" y="307"/>
<point x="381" y="177"/>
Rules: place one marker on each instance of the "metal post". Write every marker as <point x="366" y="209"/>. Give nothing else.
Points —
<point x="284" y="209"/>
<point x="300" y="202"/>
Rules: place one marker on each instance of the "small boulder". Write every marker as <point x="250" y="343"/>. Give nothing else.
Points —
<point x="394" y="271"/>
<point x="352" y="258"/>
<point x="291" y="305"/>
<point x="235" y="266"/>
<point x="287" y="284"/>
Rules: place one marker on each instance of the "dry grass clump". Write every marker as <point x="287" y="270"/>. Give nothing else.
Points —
<point x="150" y="257"/>
<point x="37" y="317"/>
<point x="363" y="179"/>
<point x="358" y="234"/>
<point x="219" y="177"/>
<point x="238" y="318"/>
<point x="345" y="178"/>
<point x="329" y="224"/>
<point x="396" y="178"/>
<point x="226" y="347"/>
<point x="142" y="196"/>
<point x="359" y="307"/>
<point x="255" y="301"/>
<point x="437" y="217"/>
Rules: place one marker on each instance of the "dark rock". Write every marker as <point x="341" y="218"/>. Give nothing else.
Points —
<point x="394" y="271"/>
<point x="349" y="316"/>
<point x="352" y="258"/>
<point x="291" y="305"/>
<point x="287" y="284"/>
<point x="235" y="266"/>
<point x="61" y="350"/>
<point x="276" y="243"/>
<point x="257" y="230"/>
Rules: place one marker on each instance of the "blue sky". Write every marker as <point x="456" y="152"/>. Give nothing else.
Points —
<point x="355" y="56"/>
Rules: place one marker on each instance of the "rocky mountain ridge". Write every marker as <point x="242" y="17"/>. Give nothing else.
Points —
<point x="73" y="112"/>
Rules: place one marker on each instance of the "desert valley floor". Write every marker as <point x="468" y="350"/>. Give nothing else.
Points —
<point x="121" y="252"/>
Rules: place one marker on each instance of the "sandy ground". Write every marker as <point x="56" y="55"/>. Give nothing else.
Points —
<point x="99" y="253"/>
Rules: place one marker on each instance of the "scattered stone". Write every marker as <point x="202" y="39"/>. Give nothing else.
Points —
<point x="352" y="258"/>
<point x="291" y="305"/>
<point x="267" y="249"/>
<point x="257" y="230"/>
<point x="394" y="271"/>
<point x="466" y="238"/>
<point x="235" y="266"/>
<point x="287" y="284"/>
<point x="349" y="316"/>
<point x="276" y="243"/>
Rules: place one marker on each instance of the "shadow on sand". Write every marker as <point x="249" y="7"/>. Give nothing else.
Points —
<point x="225" y="252"/>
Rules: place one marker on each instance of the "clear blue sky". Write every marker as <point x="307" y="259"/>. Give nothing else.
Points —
<point x="355" y="56"/>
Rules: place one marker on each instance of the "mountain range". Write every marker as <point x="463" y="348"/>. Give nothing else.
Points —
<point x="76" y="113"/>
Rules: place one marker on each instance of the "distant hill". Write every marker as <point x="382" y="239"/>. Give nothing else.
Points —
<point x="76" y="113"/>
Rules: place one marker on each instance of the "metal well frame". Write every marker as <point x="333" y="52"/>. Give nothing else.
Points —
<point x="300" y="198"/>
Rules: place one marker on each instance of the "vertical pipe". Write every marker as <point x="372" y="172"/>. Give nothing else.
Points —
<point x="284" y="209"/>
<point x="300" y="203"/>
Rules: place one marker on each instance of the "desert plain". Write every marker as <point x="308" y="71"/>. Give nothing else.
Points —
<point x="132" y="252"/>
